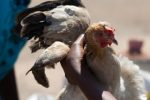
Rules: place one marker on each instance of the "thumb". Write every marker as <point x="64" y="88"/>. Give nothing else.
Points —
<point x="80" y="40"/>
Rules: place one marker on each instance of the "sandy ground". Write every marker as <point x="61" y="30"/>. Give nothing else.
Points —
<point x="130" y="18"/>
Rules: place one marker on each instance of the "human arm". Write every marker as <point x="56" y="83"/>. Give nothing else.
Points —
<point x="77" y="73"/>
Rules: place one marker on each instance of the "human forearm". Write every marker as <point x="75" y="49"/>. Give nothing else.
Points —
<point x="90" y="86"/>
<point x="82" y="77"/>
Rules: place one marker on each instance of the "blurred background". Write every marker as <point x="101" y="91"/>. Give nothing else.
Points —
<point x="131" y="19"/>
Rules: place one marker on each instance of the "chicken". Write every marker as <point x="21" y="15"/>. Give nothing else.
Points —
<point x="45" y="6"/>
<point x="52" y="17"/>
<point x="54" y="30"/>
<point x="117" y="73"/>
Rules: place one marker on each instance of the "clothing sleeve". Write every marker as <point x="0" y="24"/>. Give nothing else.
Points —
<point x="10" y="43"/>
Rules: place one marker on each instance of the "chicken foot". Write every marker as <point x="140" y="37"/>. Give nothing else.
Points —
<point x="52" y="55"/>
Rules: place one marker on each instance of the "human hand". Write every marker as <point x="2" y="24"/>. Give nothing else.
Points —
<point x="77" y="73"/>
<point x="72" y="63"/>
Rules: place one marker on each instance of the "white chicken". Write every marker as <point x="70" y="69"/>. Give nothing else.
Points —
<point x="117" y="73"/>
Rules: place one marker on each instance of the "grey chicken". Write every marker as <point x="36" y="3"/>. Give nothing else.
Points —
<point x="53" y="29"/>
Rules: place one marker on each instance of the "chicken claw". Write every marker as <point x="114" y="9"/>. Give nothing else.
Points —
<point x="53" y="54"/>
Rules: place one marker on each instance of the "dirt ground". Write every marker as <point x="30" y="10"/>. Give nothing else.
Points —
<point x="131" y="18"/>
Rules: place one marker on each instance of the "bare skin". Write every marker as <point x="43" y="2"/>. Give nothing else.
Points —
<point x="77" y="73"/>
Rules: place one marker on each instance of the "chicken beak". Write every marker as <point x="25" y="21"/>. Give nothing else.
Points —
<point x="115" y="41"/>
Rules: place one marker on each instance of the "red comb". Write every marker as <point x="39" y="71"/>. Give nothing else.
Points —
<point x="109" y="30"/>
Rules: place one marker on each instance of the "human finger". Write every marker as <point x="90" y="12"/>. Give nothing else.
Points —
<point x="80" y="41"/>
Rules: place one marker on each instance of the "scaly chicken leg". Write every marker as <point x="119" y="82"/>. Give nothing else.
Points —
<point x="52" y="55"/>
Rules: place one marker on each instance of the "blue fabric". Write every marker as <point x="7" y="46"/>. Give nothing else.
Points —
<point x="10" y="43"/>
